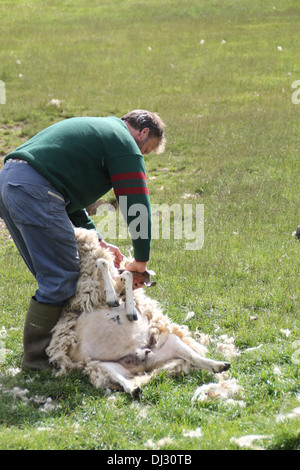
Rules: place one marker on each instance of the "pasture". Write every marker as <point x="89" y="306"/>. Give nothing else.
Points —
<point x="220" y="75"/>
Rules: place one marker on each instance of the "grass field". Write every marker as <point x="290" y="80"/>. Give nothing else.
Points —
<point x="220" y="75"/>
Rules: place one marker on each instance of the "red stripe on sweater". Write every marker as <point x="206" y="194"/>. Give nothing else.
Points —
<point x="137" y="175"/>
<point x="125" y="191"/>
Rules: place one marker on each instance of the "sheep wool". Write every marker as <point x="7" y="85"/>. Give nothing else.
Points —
<point x="101" y="342"/>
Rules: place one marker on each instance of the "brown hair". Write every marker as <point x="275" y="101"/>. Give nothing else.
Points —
<point x="140" y="119"/>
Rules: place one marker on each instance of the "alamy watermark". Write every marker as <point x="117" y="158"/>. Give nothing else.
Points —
<point x="296" y="94"/>
<point x="2" y="93"/>
<point x="296" y="353"/>
<point x="182" y="222"/>
<point x="2" y="352"/>
<point x="3" y="335"/>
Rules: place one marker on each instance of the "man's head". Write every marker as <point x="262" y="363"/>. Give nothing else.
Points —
<point x="147" y="129"/>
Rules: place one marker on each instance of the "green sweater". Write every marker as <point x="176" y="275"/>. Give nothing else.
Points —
<point x="83" y="158"/>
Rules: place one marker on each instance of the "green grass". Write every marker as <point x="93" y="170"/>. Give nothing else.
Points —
<point x="233" y="145"/>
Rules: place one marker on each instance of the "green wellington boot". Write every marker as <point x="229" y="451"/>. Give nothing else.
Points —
<point x="40" y="320"/>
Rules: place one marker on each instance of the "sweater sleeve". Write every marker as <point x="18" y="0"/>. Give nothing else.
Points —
<point x="130" y="186"/>
<point x="80" y="218"/>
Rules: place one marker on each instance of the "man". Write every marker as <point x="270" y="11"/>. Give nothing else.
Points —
<point x="44" y="187"/>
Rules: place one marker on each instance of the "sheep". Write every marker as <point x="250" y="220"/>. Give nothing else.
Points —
<point x="118" y="337"/>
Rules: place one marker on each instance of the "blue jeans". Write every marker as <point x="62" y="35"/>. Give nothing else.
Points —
<point x="36" y="217"/>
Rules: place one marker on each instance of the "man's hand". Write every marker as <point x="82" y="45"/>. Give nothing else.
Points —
<point x="140" y="267"/>
<point x="115" y="251"/>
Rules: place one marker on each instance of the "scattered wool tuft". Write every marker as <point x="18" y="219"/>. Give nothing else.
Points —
<point x="232" y="402"/>
<point x="227" y="347"/>
<point x="13" y="371"/>
<point x="202" y="338"/>
<point x="295" y="413"/>
<point x="224" y="390"/>
<point x="48" y="406"/>
<point x="286" y="332"/>
<point x="161" y="442"/>
<point x="22" y="394"/>
<point x="277" y="371"/>
<point x="253" y="349"/>
<point x="3" y="333"/>
<point x="197" y="433"/>
<point x="190" y="315"/>
<point x="248" y="441"/>
<point x="55" y="103"/>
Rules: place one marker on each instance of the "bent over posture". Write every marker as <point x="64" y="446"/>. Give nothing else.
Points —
<point x="45" y="186"/>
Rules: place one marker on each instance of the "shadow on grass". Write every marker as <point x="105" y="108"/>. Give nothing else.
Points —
<point x="29" y="395"/>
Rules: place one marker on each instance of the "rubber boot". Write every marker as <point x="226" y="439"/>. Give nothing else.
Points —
<point x="40" y="320"/>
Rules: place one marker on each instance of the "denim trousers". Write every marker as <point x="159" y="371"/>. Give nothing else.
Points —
<point x="36" y="217"/>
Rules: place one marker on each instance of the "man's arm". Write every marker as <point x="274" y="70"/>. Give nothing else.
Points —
<point x="130" y="186"/>
<point x="80" y="218"/>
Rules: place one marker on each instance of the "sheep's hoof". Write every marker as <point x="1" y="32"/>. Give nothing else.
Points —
<point x="132" y="316"/>
<point x="113" y="303"/>
<point x="222" y="368"/>
<point x="136" y="393"/>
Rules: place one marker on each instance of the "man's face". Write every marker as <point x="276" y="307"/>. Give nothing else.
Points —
<point x="145" y="144"/>
<point x="148" y="145"/>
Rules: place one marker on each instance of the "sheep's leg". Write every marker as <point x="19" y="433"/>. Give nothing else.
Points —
<point x="109" y="292"/>
<point x="127" y="278"/>
<point x="174" y="348"/>
<point x="119" y="375"/>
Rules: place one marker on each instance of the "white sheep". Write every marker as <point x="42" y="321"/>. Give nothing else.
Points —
<point x="102" y="340"/>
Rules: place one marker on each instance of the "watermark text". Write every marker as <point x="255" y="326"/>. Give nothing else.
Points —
<point x="296" y="94"/>
<point x="2" y="93"/>
<point x="296" y="354"/>
<point x="180" y="222"/>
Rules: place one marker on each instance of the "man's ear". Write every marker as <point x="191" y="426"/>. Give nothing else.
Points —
<point x="144" y="133"/>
